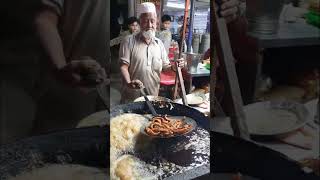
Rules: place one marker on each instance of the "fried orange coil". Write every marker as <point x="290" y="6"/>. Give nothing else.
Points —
<point x="165" y="127"/>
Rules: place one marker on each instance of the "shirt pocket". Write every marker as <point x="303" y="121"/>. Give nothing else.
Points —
<point x="157" y="64"/>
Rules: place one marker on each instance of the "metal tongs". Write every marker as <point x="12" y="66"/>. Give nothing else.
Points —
<point x="150" y="106"/>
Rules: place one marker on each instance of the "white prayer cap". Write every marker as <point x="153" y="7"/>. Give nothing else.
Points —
<point x="146" y="7"/>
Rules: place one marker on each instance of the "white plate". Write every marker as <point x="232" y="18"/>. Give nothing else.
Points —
<point x="202" y="110"/>
<point x="194" y="99"/>
<point x="275" y="117"/>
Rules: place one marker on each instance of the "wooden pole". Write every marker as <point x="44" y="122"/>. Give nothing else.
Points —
<point x="224" y="54"/>
<point x="179" y="78"/>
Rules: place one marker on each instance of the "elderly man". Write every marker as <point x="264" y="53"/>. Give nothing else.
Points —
<point x="143" y="57"/>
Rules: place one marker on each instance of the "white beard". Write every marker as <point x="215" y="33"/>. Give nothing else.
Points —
<point x="150" y="34"/>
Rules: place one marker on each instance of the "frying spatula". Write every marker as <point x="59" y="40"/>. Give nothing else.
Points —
<point x="150" y="106"/>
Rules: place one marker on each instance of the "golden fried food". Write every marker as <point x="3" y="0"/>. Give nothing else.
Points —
<point x="165" y="127"/>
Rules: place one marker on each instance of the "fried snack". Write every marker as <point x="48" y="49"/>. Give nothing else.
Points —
<point x="165" y="127"/>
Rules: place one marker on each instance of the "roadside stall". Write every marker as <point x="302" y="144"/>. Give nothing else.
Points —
<point x="163" y="137"/>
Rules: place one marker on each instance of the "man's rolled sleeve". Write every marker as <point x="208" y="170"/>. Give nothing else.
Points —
<point x="124" y="52"/>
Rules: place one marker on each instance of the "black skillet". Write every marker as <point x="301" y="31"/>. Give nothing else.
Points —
<point x="183" y="158"/>
<point x="85" y="146"/>
<point x="172" y="109"/>
<point x="233" y="154"/>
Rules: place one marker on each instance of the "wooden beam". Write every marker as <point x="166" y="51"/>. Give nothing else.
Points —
<point x="226" y="59"/>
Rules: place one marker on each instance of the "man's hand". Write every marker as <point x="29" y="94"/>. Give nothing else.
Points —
<point x="83" y="73"/>
<point x="135" y="84"/>
<point x="181" y="63"/>
<point x="229" y="9"/>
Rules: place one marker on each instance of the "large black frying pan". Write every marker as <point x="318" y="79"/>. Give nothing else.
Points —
<point x="162" y="108"/>
<point x="171" y="109"/>
<point x="231" y="154"/>
<point x="85" y="146"/>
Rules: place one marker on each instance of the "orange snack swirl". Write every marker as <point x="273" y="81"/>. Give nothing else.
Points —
<point x="165" y="127"/>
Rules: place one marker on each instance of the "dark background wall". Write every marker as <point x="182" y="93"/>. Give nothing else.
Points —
<point x="117" y="8"/>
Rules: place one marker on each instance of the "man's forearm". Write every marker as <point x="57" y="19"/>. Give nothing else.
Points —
<point x="46" y="28"/>
<point x="125" y="73"/>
